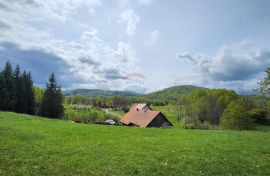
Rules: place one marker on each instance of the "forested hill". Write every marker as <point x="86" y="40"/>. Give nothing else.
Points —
<point x="172" y="93"/>
<point x="168" y="94"/>
<point x="98" y="93"/>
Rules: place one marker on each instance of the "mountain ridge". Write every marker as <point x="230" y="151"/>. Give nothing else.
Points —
<point x="169" y="92"/>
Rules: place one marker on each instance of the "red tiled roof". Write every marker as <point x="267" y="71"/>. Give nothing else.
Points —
<point x="139" y="117"/>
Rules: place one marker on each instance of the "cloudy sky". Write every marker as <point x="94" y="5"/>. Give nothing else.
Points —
<point x="139" y="45"/>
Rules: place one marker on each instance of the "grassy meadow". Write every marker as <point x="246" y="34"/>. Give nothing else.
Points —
<point x="37" y="146"/>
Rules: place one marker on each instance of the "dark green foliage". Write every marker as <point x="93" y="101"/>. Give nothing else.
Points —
<point x="10" y="87"/>
<point x="20" y="104"/>
<point x="16" y="90"/>
<point x="3" y="93"/>
<point x="52" y="102"/>
<point x="97" y="93"/>
<point x="29" y="98"/>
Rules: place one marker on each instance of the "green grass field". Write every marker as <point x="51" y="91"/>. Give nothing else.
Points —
<point x="38" y="146"/>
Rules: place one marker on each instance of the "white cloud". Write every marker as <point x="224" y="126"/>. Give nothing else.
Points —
<point x="89" y="57"/>
<point x="232" y="63"/>
<point x="90" y="35"/>
<point x="130" y="20"/>
<point x="153" y="38"/>
<point x="145" y="2"/>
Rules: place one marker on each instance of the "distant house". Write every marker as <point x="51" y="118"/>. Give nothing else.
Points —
<point x="143" y="116"/>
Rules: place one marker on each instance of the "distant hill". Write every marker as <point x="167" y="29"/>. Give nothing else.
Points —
<point x="169" y="94"/>
<point x="172" y="93"/>
<point x="97" y="93"/>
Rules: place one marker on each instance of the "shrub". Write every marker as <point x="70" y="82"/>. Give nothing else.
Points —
<point x="189" y="123"/>
<point x="235" y="117"/>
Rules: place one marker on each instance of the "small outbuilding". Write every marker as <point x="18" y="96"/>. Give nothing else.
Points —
<point x="143" y="116"/>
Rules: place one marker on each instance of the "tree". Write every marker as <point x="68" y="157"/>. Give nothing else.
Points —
<point x="52" y="102"/>
<point x="264" y="88"/>
<point x="39" y="92"/>
<point x="19" y="91"/>
<point x="3" y="92"/>
<point x="9" y="82"/>
<point x="234" y="117"/>
<point x="29" y="94"/>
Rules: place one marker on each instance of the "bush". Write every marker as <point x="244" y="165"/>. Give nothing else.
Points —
<point x="84" y="114"/>
<point x="235" y="117"/>
<point x="189" y="123"/>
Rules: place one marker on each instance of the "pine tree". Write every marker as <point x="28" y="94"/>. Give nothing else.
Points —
<point x="19" y="94"/>
<point x="3" y="92"/>
<point x="9" y="82"/>
<point x="52" y="102"/>
<point x="29" y="94"/>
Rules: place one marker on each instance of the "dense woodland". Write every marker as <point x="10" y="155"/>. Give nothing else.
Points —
<point x="18" y="94"/>
<point x="16" y="90"/>
<point x="194" y="107"/>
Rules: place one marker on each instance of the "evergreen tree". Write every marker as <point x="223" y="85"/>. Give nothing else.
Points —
<point x="19" y="93"/>
<point x="3" y="92"/>
<point x="52" y="102"/>
<point x="29" y="94"/>
<point x="9" y="82"/>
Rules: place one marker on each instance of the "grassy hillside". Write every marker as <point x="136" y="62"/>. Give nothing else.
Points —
<point x="37" y="146"/>
<point x="98" y="92"/>
<point x="172" y="93"/>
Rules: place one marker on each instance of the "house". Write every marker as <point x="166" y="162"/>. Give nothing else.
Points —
<point x="143" y="116"/>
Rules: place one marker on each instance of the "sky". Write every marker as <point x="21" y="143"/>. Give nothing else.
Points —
<point x="138" y="45"/>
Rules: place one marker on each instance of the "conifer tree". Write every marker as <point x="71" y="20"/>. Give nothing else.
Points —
<point x="19" y="94"/>
<point x="29" y="94"/>
<point x="3" y="92"/>
<point x="52" y="102"/>
<point x="9" y="82"/>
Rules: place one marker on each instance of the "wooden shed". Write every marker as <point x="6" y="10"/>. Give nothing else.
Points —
<point x="143" y="116"/>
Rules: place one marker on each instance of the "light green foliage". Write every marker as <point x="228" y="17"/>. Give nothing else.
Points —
<point x="39" y="92"/>
<point x="235" y="117"/>
<point x="264" y="88"/>
<point x="264" y="91"/>
<point x="171" y="94"/>
<point x="203" y="108"/>
<point x="39" y="146"/>
<point x="87" y="114"/>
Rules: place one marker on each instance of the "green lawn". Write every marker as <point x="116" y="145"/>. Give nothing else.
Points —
<point x="38" y="146"/>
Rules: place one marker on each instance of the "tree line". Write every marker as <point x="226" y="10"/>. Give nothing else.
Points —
<point x="16" y="90"/>
<point x="18" y="94"/>
<point x="221" y="108"/>
<point x="116" y="102"/>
